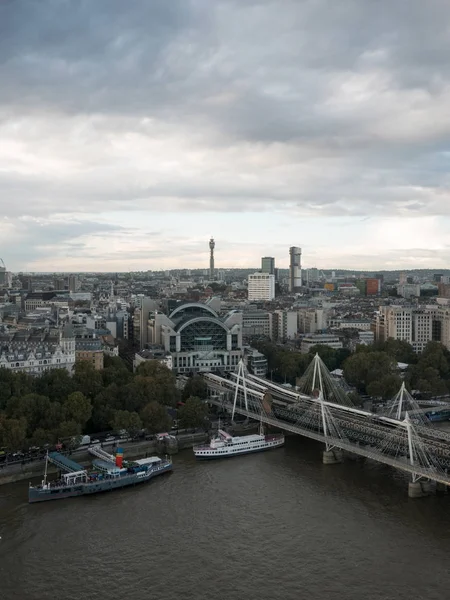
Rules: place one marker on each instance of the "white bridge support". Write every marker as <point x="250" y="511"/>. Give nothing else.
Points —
<point x="240" y="376"/>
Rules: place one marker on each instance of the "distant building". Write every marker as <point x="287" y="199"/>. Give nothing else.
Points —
<point x="35" y="352"/>
<point x="416" y="325"/>
<point x="261" y="287"/>
<point x="154" y="354"/>
<point x="409" y="290"/>
<point x="257" y="323"/>
<point x="268" y="265"/>
<point x="284" y="325"/>
<point x="295" y="269"/>
<point x="311" y="320"/>
<point x="322" y="339"/>
<point x="256" y="363"/>
<point x="93" y="357"/>
<point x="198" y="339"/>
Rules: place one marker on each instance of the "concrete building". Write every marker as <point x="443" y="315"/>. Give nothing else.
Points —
<point x="268" y="265"/>
<point x="359" y="324"/>
<point x="284" y="325"/>
<point x="256" y="362"/>
<point x="257" y="323"/>
<point x="261" y="287"/>
<point x="5" y="276"/>
<point x="295" y="269"/>
<point x="409" y="290"/>
<point x="198" y="339"/>
<point x="34" y="300"/>
<point x="94" y="357"/>
<point x="322" y="339"/>
<point x="35" y="352"/>
<point x="416" y="325"/>
<point x="311" y="320"/>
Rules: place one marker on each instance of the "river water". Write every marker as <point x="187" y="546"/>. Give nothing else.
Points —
<point x="277" y="525"/>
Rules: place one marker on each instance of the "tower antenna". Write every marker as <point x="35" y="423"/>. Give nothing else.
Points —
<point x="212" y="245"/>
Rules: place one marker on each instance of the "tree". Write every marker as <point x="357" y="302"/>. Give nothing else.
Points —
<point x="398" y="349"/>
<point x="77" y="408"/>
<point x="13" y="433"/>
<point x="155" y="418"/>
<point x="115" y="371"/>
<point x="56" y="384"/>
<point x="193" y="413"/>
<point x="88" y="381"/>
<point x="41" y="437"/>
<point x="195" y="386"/>
<point x="362" y="368"/>
<point x="124" y="419"/>
<point x="386" y="387"/>
<point x="160" y="382"/>
<point x="68" y="429"/>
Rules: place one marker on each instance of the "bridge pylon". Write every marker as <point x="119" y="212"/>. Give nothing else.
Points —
<point x="317" y="379"/>
<point x="241" y="372"/>
<point x="403" y="403"/>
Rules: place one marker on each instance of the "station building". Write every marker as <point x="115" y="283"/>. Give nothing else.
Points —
<point x="197" y="338"/>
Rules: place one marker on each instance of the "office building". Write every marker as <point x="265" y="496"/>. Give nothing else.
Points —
<point x="320" y="339"/>
<point x="295" y="269"/>
<point x="261" y="287"/>
<point x="416" y="325"/>
<point x="268" y="265"/>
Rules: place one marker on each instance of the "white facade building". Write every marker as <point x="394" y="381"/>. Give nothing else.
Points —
<point x="261" y="286"/>
<point x="320" y="339"/>
<point x="416" y="325"/>
<point x="35" y="352"/>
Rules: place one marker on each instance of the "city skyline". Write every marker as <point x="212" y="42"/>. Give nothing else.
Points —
<point x="127" y="141"/>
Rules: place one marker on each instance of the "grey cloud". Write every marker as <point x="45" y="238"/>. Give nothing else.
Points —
<point x="249" y="75"/>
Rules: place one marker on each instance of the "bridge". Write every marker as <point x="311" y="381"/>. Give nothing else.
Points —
<point x="322" y="410"/>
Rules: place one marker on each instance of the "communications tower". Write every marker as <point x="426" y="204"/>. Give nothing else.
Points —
<point x="212" y="245"/>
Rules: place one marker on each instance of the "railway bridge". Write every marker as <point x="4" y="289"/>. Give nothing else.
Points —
<point x="400" y="437"/>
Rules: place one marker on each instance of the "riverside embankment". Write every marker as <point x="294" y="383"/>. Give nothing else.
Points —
<point x="32" y="469"/>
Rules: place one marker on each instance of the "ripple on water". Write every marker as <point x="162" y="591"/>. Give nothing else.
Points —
<point x="276" y="526"/>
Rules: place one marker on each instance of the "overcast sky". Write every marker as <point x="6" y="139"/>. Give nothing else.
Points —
<point x="132" y="131"/>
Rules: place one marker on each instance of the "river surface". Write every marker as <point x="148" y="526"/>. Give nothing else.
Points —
<point x="276" y="525"/>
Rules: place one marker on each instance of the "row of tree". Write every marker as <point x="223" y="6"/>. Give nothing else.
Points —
<point x="372" y="370"/>
<point x="57" y="406"/>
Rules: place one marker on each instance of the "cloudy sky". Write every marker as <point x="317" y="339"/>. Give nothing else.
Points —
<point x="132" y="131"/>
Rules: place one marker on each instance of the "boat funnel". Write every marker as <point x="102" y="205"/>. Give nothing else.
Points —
<point x="119" y="458"/>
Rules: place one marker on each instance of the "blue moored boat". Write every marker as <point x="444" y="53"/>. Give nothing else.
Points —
<point x="78" y="481"/>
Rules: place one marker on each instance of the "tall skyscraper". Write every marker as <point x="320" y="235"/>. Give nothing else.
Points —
<point x="212" y="245"/>
<point x="268" y="265"/>
<point x="295" y="269"/>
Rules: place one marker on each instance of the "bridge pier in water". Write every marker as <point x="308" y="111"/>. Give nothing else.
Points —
<point x="332" y="457"/>
<point x="419" y="489"/>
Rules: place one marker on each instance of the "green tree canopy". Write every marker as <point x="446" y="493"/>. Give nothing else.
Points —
<point x="124" y="419"/>
<point x="193" y="413"/>
<point x="13" y="433"/>
<point x="362" y="368"/>
<point x="77" y="408"/>
<point x="155" y="418"/>
<point x="87" y="380"/>
<point x="386" y="387"/>
<point x="195" y="386"/>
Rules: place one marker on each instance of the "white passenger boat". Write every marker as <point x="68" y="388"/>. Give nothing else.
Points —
<point x="224" y="445"/>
